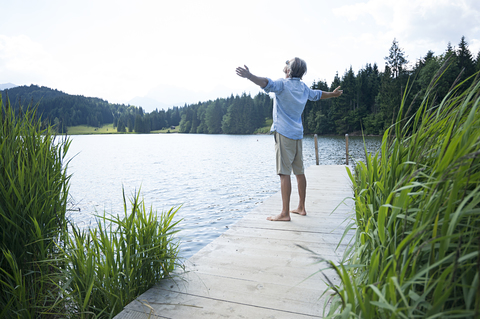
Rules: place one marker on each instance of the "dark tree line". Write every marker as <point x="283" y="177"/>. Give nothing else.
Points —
<point x="370" y="101"/>
<point x="60" y="108"/>
<point x="371" y="98"/>
<point x="233" y="115"/>
<point x="134" y="119"/>
<point x="63" y="110"/>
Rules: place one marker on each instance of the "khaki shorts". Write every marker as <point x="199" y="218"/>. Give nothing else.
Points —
<point x="289" y="155"/>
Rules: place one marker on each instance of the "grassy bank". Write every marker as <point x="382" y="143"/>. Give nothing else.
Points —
<point x="49" y="268"/>
<point x="266" y="128"/>
<point x="107" y="129"/>
<point x="167" y="130"/>
<point x="84" y="129"/>
<point x="417" y="217"/>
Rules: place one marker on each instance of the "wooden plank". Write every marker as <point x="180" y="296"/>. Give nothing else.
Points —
<point x="169" y="304"/>
<point x="258" y="268"/>
<point x="257" y="295"/>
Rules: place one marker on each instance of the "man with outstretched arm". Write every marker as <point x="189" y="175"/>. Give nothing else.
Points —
<point x="291" y="95"/>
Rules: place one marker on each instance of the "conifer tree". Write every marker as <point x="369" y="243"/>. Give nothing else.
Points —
<point x="213" y="117"/>
<point x="465" y="58"/>
<point x="396" y="60"/>
<point x="121" y="126"/>
<point x="477" y="62"/>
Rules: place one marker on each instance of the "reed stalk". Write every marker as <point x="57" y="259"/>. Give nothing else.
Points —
<point x="50" y="268"/>
<point x="109" y="266"/>
<point x="416" y="252"/>
<point x="33" y="199"/>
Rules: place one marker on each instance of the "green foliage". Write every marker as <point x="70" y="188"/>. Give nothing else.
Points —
<point x="69" y="110"/>
<point x="213" y="117"/>
<point x="417" y="216"/>
<point x="142" y="124"/>
<point x="84" y="130"/>
<point x="33" y="199"/>
<point x="396" y="59"/>
<point x="266" y="128"/>
<point x="47" y="272"/>
<point x="62" y="110"/>
<point x="371" y="98"/>
<point x="121" y="127"/>
<point x="319" y="116"/>
<point x="477" y="62"/>
<point x="109" y="266"/>
<point x="234" y="115"/>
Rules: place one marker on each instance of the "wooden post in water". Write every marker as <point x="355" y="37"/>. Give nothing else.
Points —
<point x="346" y="144"/>
<point x="316" y="148"/>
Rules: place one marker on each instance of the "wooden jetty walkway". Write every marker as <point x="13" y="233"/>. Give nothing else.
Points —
<point x="256" y="268"/>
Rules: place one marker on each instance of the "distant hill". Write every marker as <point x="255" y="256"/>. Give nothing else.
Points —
<point x="26" y="94"/>
<point x="63" y="110"/>
<point x="57" y="107"/>
<point x="7" y="86"/>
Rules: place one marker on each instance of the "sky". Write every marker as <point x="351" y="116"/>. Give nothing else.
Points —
<point x="159" y="54"/>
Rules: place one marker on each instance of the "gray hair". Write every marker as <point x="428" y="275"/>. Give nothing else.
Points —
<point x="298" y="68"/>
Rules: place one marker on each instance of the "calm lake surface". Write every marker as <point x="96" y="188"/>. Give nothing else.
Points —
<point x="216" y="178"/>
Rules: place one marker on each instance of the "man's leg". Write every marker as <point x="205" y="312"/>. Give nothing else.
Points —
<point x="302" y="193"/>
<point x="298" y="170"/>
<point x="286" y="190"/>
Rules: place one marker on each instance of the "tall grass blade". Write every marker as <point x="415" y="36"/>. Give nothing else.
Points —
<point x="417" y="215"/>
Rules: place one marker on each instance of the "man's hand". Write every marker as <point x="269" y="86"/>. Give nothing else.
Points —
<point x="336" y="93"/>
<point x="244" y="73"/>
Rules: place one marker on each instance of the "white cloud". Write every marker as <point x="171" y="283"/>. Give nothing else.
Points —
<point x="21" y="57"/>
<point x="418" y="26"/>
<point x="474" y="47"/>
<point x="381" y="11"/>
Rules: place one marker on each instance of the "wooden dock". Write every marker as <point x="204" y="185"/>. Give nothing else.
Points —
<point x="256" y="268"/>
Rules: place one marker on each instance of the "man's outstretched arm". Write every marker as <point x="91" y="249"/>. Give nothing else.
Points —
<point x="336" y="93"/>
<point x="245" y="73"/>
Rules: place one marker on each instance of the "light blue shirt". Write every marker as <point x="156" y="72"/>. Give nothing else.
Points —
<point x="291" y="95"/>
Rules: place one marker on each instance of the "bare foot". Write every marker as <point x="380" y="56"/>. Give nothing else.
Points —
<point x="280" y="218"/>
<point x="299" y="212"/>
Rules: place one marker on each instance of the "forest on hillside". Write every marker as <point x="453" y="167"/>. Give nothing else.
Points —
<point x="63" y="110"/>
<point x="370" y="101"/>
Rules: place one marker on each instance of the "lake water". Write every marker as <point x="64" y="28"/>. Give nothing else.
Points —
<point x="216" y="178"/>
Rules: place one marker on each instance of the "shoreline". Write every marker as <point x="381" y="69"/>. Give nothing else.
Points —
<point x="108" y="129"/>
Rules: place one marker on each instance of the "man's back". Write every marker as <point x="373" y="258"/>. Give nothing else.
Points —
<point x="291" y="95"/>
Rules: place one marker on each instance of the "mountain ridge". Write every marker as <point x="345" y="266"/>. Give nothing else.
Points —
<point x="6" y="86"/>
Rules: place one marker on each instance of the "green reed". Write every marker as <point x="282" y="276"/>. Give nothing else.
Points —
<point x="416" y="251"/>
<point x="111" y="265"/>
<point x="50" y="268"/>
<point x="33" y="199"/>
